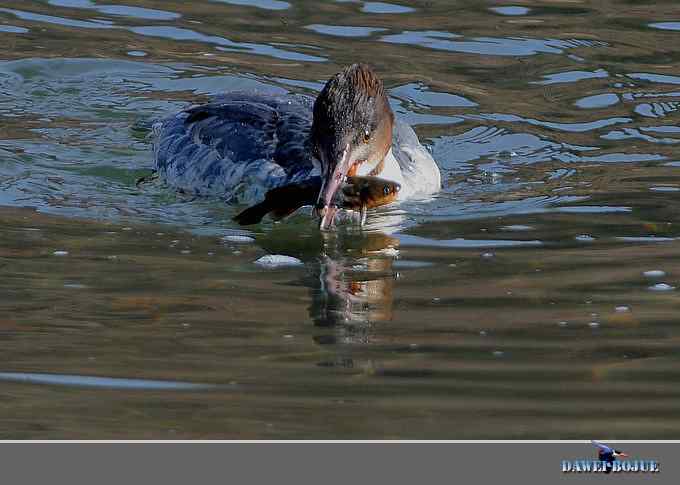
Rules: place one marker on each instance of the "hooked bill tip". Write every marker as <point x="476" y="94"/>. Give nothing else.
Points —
<point x="329" y="188"/>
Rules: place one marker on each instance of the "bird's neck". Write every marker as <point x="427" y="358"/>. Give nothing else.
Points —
<point x="387" y="169"/>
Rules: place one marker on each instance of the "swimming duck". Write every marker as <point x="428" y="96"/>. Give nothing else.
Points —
<point x="240" y="146"/>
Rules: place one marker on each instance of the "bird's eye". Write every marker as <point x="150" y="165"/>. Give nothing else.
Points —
<point x="386" y="190"/>
<point x="367" y="136"/>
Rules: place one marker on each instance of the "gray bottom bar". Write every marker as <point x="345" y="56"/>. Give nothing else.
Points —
<point x="300" y="463"/>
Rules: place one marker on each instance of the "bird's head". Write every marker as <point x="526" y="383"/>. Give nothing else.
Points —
<point x="352" y="127"/>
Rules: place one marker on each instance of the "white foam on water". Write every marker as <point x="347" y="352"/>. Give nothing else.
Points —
<point x="654" y="273"/>
<point x="584" y="238"/>
<point x="516" y="228"/>
<point x="238" y="239"/>
<point x="661" y="287"/>
<point x="277" y="261"/>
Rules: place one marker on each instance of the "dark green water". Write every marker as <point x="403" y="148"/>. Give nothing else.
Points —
<point x="535" y="297"/>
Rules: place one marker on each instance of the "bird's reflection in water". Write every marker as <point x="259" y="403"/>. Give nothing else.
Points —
<point x="355" y="285"/>
<point x="350" y="274"/>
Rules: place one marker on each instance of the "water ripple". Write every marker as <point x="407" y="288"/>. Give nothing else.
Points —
<point x="655" y="78"/>
<point x="106" y="382"/>
<point x="666" y="25"/>
<point x="173" y="33"/>
<point x="264" y="4"/>
<point x="634" y="133"/>
<point x="344" y="30"/>
<point x="36" y="17"/>
<point x="382" y="7"/>
<point x="118" y="10"/>
<point x="597" y="101"/>
<point x="572" y="76"/>
<point x="491" y="46"/>
<point x="13" y="29"/>
<point x="424" y="96"/>
<point x="511" y="10"/>
<point x="181" y="34"/>
<point x="407" y="240"/>
<point x="657" y="110"/>
<point x="569" y="127"/>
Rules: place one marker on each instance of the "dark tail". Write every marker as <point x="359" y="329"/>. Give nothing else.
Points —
<point x="254" y="214"/>
<point x="281" y="202"/>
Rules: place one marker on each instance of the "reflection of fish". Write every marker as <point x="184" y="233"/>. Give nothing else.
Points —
<point x="358" y="193"/>
<point x="356" y="283"/>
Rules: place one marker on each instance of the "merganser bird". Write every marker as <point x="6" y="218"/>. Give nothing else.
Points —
<point x="240" y="146"/>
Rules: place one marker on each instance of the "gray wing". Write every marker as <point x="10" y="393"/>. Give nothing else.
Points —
<point x="237" y="146"/>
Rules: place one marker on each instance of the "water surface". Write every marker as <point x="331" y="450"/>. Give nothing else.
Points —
<point x="539" y="288"/>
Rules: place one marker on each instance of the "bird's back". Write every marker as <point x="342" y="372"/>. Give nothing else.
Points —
<point x="236" y="147"/>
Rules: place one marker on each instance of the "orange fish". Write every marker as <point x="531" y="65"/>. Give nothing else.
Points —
<point x="358" y="193"/>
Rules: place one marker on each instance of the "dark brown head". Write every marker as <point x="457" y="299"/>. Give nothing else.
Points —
<point x="352" y="126"/>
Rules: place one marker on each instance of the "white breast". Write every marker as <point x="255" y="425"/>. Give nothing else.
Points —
<point x="409" y="164"/>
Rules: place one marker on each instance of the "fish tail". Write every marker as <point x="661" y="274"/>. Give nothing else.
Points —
<point x="280" y="213"/>
<point x="281" y="202"/>
<point x="253" y="215"/>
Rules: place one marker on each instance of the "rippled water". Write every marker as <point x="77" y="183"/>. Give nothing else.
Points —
<point x="534" y="297"/>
